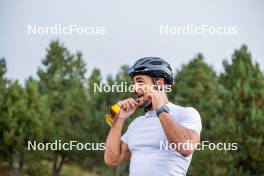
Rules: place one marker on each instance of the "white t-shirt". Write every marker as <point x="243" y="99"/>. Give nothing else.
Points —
<point x="144" y="136"/>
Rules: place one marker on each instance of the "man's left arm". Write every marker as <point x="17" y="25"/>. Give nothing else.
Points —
<point x="174" y="131"/>
<point x="179" y="134"/>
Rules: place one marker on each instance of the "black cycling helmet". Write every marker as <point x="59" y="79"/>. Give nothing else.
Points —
<point x="154" y="67"/>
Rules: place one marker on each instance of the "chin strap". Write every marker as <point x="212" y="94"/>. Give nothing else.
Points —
<point x="154" y="81"/>
<point x="148" y="108"/>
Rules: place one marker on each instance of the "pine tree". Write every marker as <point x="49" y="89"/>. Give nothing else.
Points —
<point x="3" y="83"/>
<point x="243" y="113"/>
<point x="196" y="85"/>
<point x="62" y="79"/>
<point x="22" y="117"/>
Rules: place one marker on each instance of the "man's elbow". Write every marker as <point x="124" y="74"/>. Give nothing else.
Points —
<point x="186" y="153"/>
<point x="111" y="162"/>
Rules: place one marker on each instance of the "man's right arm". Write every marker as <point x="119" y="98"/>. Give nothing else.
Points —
<point x="116" y="151"/>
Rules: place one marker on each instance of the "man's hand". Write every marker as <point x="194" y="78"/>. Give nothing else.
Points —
<point x="159" y="98"/>
<point x="128" y="107"/>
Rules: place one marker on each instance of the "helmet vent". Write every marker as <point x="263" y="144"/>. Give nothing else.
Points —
<point x="145" y="61"/>
<point x="141" y="68"/>
<point x="156" y="63"/>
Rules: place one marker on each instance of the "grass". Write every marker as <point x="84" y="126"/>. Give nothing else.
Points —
<point x="67" y="170"/>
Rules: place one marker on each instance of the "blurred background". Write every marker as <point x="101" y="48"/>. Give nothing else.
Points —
<point x="46" y="80"/>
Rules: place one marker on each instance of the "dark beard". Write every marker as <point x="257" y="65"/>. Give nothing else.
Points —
<point x="148" y="107"/>
<point x="147" y="104"/>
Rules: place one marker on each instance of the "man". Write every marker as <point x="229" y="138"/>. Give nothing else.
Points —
<point x="163" y="122"/>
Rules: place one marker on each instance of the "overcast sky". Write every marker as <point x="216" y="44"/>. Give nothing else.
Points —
<point x="132" y="31"/>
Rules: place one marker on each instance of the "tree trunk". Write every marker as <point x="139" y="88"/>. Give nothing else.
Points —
<point x="57" y="165"/>
<point x="11" y="166"/>
<point x="20" y="166"/>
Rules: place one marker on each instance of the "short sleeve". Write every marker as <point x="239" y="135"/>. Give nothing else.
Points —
<point x="124" y="137"/>
<point x="191" y="119"/>
<point x="130" y="127"/>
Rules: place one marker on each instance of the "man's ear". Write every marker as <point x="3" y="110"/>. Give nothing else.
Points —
<point x="160" y="83"/>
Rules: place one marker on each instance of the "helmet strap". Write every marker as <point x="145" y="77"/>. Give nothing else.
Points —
<point x="149" y="106"/>
<point x="154" y="82"/>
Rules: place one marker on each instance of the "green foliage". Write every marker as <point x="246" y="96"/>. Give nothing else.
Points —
<point x="62" y="80"/>
<point x="3" y="68"/>
<point x="62" y="104"/>
<point x="231" y="108"/>
<point x="243" y="102"/>
<point x="197" y="86"/>
<point x="23" y="118"/>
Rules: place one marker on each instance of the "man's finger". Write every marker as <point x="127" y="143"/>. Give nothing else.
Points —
<point x="133" y="102"/>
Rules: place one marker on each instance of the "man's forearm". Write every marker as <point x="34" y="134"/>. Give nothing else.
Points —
<point x="113" y="142"/>
<point x="177" y="134"/>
